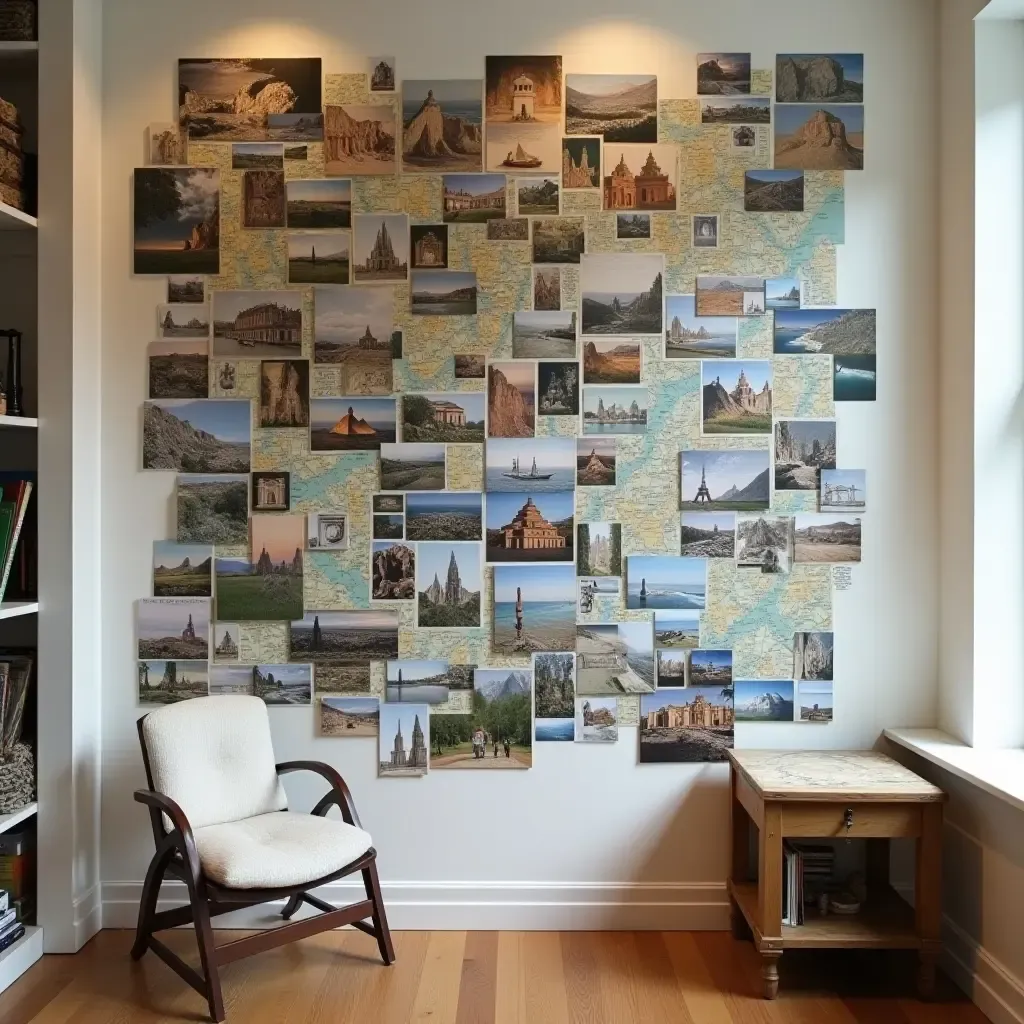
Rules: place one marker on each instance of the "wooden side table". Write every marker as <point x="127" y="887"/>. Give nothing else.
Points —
<point x="856" y="794"/>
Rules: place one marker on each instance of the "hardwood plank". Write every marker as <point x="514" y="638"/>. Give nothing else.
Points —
<point x="477" y="988"/>
<point x="582" y="980"/>
<point x="510" y="987"/>
<point x="657" y="990"/>
<point x="391" y="997"/>
<point x="544" y="979"/>
<point x="437" y="998"/>
<point x="704" y="1001"/>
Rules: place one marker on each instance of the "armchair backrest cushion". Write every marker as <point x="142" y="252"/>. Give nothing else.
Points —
<point x="213" y="756"/>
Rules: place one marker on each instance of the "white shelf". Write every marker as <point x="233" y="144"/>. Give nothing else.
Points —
<point x="18" y="421"/>
<point x="17" y="959"/>
<point x="9" y="821"/>
<point x="18" y="48"/>
<point x="12" y="219"/>
<point x="12" y="609"/>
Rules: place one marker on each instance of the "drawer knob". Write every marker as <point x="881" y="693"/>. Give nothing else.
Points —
<point x="848" y="821"/>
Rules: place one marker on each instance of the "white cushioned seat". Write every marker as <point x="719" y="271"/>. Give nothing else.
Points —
<point x="277" y="849"/>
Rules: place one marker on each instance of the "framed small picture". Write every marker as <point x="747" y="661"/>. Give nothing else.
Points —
<point x="705" y="231"/>
<point x="271" y="492"/>
<point x="327" y="531"/>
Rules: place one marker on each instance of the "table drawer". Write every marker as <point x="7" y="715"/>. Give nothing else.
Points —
<point x="821" y="820"/>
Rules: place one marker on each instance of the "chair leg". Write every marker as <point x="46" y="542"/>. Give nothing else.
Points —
<point x="380" y="919"/>
<point x="293" y="904"/>
<point x="147" y="905"/>
<point x="207" y="950"/>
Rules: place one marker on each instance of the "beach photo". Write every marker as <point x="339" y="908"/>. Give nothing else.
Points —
<point x="640" y="177"/>
<point x="773" y="191"/>
<point x="319" y="203"/>
<point x="544" y="335"/>
<point x="249" y="324"/>
<point x="729" y="480"/>
<point x="736" y="396"/>
<point x="581" y="162"/>
<point x="841" y="332"/>
<point x="511" y="394"/>
<point x="554" y="684"/>
<point x="349" y="717"/>
<point x="671" y="666"/>
<point x="621" y="294"/>
<point x="359" y="138"/>
<point x="764" y="542"/>
<point x="189" y="288"/>
<point x="597" y="720"/>
<point x="284" y="393"/>
<point x="531" y="465"/>
<point x="534" y="608"/>
<point x="327" y="531"/>
<point x="707" y="535"/>
<point x="782" y="294"/>
<point x="843" y="490"/>
<point x="202" y="436"/>
<point x="677" y="628"/>
<point x="443" y="292"/>
<point x="538" y="196"/>
<point x="411" y="681"/>
<point x="558" y="388"/>
<point x="454" y="417"/>
<point x="827" y="538"/>
<point x="723" y="74"/>
<point x="819" y="137"/>
<point x="228" y="99"/>
<point x="344" y="638"/>
<point x="558" y="240"/>
<point x="212" y="508"/>
<point x="470" y="367"/>
<point x="354" y="328"/>
<point x="854" y="378"/>
<point x="449" y="585"/>
<point x="534" y="527"/>
<point x="266" y="586"/>
<point x="392" y="571"/>
<point x="619" y="108"/>
<point x="380" y="248"/>
<point x="812" y="656"/>
<point x="412" y="467"/>
<point x="616" y="361"/>
<point x="710" y="668"/>
<point x="595" y="462"/>
<point x="763" y="700"/>
<point x="319" y="257"/>
<point x="472" y="198"/>
<point x="665" y="581"/>
<point x="351" y="424"/>
<point x="167" y="682"/>
<point x="172" y="627"/>
<point x="686" y="726"/>
<point x="176" y="220"/>
<point x="429" y="246"/>
<point x="818" y="77"/>
<point x="226" y="641"/>
<point x="271" y="492"/>
<point x="632" y="225"/>
<point x="442" y="125"/>
<point x="179" y="369"/>
<point x="615" y="658"/>
<point x="403" y="750"/>
<point x="599" y="549"/>
<point x="615" y="410"/>
<point x="182" y="570"/>
<point x="736" y="110"/>
<point x="802" y="449"/>
<point x="276" y="685"/>
<point x="183" y="320"/>
<point x="307" y="127"/>
<point x="498" y="731"/>
<point x="547" y="288"/>
<point x="815" y="701"/>
<point x="444" y="515"/>
<point x="263" y="199"/>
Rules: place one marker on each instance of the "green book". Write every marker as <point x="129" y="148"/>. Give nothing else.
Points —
<point x="7" y="511"/>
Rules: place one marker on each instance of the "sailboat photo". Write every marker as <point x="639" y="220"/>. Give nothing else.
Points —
<point x="532" y="475"/>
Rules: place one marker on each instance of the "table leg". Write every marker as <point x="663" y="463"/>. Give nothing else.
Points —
<point x="928" y="897"/>
<point x="769" y="896"/>
<point x="770" y="972"/>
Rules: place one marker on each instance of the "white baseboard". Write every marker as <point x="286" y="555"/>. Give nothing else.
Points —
<point x="486" y="906"/>
<point x="88" y="916"/>
<point x="993" y="989"/>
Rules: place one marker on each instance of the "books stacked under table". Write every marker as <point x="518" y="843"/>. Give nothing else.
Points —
<point x="806" y="872"/>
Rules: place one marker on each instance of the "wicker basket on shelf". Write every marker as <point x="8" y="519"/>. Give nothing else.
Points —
<point x="17" y="20"/>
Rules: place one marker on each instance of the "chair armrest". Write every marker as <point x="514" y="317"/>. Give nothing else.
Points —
<point x="339" y="794"/>
<point x="181" y="831"/>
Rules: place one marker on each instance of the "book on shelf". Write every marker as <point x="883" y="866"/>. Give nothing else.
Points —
<point x="12" y="937"/>
<point x="16" y="490"/>
<point x="806" y="872"/>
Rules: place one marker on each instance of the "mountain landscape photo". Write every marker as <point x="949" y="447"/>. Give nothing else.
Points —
<point x="205" y="436"/>
<point x="442" y="125"/>
<point x="622" y="294"/>
<point x="819" y="77"/>
<point x="814" y="138"/>
<point x="724" y="481"/>
<point x="773" y="191"/>
<point x="621" y="108"/>
<point x="764" y="542"/>
<point x="763" y="700"/>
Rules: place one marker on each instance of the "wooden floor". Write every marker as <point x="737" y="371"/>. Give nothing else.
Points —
<point x="486" y="978"/>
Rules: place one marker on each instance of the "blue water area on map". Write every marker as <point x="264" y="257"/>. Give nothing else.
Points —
<point x="551" y="729"/>
<point x="536" y="614"/>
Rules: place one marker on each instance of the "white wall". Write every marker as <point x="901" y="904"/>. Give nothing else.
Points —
<point x="587" y="831"/>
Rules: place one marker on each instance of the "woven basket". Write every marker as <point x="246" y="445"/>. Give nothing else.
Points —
<point x="17" y="20"/>
<point x="17" y="779"/>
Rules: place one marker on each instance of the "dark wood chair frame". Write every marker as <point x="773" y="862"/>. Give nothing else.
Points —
<point x="176" y="857"/>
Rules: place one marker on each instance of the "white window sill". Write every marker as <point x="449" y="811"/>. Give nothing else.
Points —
<point x="998" y="772"/>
